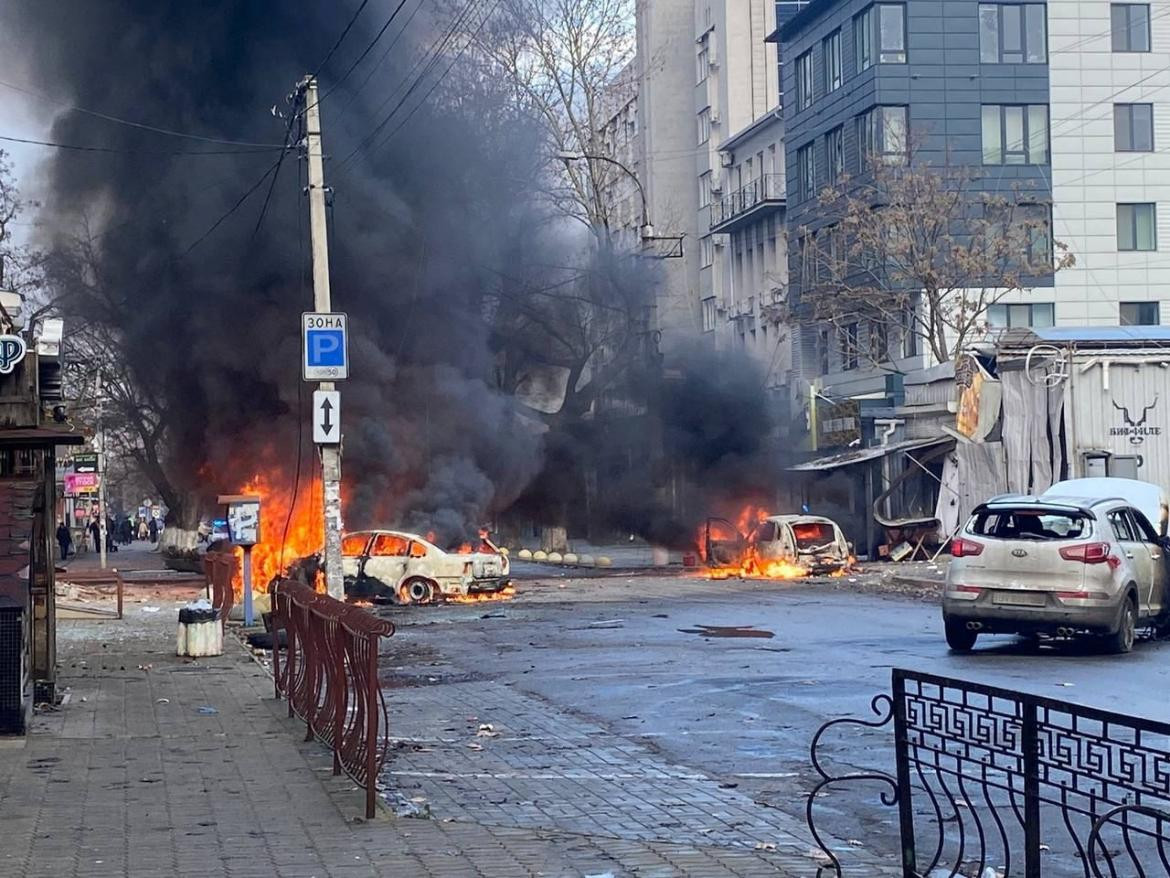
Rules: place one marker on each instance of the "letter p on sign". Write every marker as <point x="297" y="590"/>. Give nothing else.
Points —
<point x="324" y="347"/>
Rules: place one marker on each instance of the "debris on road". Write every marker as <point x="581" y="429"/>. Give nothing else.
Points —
<point x="727" y="631"/>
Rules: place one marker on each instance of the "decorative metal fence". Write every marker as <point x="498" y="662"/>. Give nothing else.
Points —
<point x="330" y="677"/>
<point x="992" y="782"/>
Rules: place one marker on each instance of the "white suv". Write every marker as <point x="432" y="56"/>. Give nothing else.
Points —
<point x="1059" y="564"/>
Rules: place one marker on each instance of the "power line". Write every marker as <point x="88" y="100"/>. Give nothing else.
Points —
<point x="110" y="149"/>
<point x="363" y="54"/>
<point x="131" y="123"/>
<point x="271" y="186"/>
<point x="382" y="60"/>
<point x="271" y="169"/>
<point x="430" y="57"/>
<point x="441" y="77"/>
<point x="337" y="43"/>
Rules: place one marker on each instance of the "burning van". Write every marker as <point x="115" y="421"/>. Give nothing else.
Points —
<point x="777" y="546"/>
<point x="410" y="569"/>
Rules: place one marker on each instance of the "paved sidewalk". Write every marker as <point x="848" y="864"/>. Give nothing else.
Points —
<point x="160" y="766"/>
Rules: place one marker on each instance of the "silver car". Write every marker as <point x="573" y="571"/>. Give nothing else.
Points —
<point x="1058" y="565"/>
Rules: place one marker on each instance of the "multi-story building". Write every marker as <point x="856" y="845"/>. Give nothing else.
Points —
<point x="1061" y="100"/>
<point x="711" y="162"/>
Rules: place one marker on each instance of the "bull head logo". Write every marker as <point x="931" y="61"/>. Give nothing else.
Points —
<point x="1135" y="438"/>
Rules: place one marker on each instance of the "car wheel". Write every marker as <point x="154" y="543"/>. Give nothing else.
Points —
<point x="960" y="638"/>
<point x="416" y="591"/>
<point x="1121" y="640"/>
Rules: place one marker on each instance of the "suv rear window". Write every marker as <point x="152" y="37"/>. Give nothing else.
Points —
<point x="1030" y="524"/>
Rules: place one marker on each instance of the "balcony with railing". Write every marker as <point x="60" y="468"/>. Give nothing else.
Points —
<point x="757" y="199"/>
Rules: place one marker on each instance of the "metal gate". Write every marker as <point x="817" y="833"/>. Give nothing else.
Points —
<point x="993" y="782"/>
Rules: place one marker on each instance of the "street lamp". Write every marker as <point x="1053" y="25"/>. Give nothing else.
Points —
<point x="647" y="230"/>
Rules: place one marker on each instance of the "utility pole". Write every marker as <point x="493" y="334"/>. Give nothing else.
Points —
<point x="101" y="469"/>
<point x="330" y="454"/>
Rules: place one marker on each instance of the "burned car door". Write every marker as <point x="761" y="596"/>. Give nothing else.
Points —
<point x="387" y="559"/>
<point x="723" y="544"/>
<point x="353" y="553"/>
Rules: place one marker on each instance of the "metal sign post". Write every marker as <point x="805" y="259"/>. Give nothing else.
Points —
<point x="243" y="520"/>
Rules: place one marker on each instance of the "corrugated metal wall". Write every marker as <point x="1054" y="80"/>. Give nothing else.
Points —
<point x="1121" y="404"/>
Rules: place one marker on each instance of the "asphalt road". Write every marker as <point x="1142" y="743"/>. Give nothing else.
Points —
<point x="630" y="653"/>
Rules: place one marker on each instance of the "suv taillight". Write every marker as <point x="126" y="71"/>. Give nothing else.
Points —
<point x="961" y="548"/>
<point x="1087" y="553"/>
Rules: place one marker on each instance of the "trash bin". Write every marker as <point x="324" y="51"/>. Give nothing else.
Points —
<point x="200" y="632"/>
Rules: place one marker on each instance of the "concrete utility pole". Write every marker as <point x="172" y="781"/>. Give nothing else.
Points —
<point x="101" y="468"/>
<point x="330" y="454"/>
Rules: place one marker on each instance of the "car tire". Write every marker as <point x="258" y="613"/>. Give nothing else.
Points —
<point x="1121" y="641"/>
<point x="960" y="638"/>
<point x="416" y="591"/>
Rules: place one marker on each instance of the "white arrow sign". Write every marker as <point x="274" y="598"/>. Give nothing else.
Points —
<point x="326" y="417"/>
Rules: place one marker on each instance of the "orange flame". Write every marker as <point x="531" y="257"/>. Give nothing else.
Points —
<point x="748" y="565"/>
<point x="306" y="531"/>
<point x="479" y="597"/>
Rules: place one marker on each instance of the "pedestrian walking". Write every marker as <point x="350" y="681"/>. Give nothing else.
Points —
<point x="153" y="529"/>
<point x="142" y="531"/>
<point x="64" y="540"/>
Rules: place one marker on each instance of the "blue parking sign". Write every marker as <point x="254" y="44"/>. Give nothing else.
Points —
<point x="324" y="347"/>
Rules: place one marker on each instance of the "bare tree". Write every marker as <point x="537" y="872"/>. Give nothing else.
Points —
<point x="567" y="63"/>
<point x="918" y="250"/>
<point x="19" y="264"/>
<point x="104" y="390"/>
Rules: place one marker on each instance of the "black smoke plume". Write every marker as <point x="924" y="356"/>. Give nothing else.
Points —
<point x="428" y="229"/>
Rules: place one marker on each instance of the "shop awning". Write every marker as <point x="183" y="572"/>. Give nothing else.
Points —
<point x="861" y="455"/>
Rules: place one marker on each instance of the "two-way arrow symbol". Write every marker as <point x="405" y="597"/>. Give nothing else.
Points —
<point x="326" y="424"/>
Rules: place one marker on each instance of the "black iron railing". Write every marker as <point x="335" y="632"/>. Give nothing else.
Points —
<point x="992" y="781"/>
<point x="767" y="187"/>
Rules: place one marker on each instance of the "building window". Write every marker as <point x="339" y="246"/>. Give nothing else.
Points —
<point x="1021" y="316"/>
<point x="706" y="251"/>
<point x="804" y="258"/>
<point x="1015" y="134"/>
<point x="835" y="153"/>
<point x="806" y="170"/>
<point x="881" y="136"/>
<point x="1140" y="314"/>
<point x="709" y="314"/>
<point x="1131" y="27"/>
<point x="831" y="53"/>
<point x="804" y="81"/>
<point x="704" y="125"/>
<point x="847" y="340"/>
<point x="1013" y="33"/>
<point x="909" y="333"/>
<point x="705" y="190"/>
<point x="1039" y="237"/>
<point x="1137" y="227"/>
<point x="1133" y="127"/>
<point x="703" y="60"/>
<point x="879" y="34"/>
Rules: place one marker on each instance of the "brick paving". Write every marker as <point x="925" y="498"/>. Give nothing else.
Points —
<point x="160" y="766"/>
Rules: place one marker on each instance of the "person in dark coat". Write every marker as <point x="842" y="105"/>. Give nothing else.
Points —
<point x="152" y="527"/>
<point x="64" y="540"/>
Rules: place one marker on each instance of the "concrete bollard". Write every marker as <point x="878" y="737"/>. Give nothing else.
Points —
<point x="540" y="555"/>
<point x="604" y="562"/>
<point x="555" y="558"/>
<point x="586" y="561"/>
<point x="524" y="554"/>
<point x="505" y="551"/>
<point x="571" y="559"/>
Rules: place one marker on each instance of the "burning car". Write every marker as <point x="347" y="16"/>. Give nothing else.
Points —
<point x="777" y="546"/>
<point x="410" y="569"/>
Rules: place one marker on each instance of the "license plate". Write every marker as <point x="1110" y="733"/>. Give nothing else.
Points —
<point x="1020" y="598"/>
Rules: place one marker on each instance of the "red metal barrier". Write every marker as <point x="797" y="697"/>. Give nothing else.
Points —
<point x="220" y="570"/>
<point x="330" y="676"/>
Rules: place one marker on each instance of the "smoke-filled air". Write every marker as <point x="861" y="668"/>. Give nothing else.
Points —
<point x="488" y="328"/>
